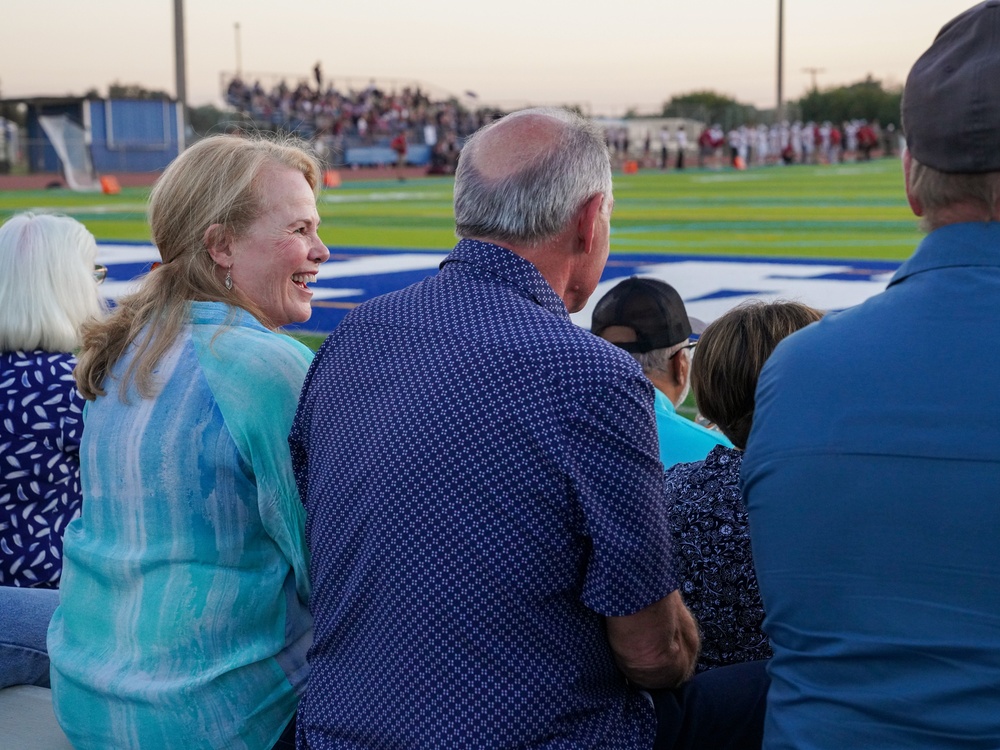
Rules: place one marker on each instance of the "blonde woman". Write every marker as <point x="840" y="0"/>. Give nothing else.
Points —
<point x="184" y="615"/>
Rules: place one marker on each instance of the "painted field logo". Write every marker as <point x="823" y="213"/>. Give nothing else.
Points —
<point x="710" y="285"/>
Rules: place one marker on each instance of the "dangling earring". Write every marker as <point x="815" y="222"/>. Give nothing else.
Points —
<point x="229" y="278"/>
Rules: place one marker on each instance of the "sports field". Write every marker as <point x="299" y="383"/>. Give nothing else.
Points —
<point x="852" y="211"/>
<point x="830" y="235"/>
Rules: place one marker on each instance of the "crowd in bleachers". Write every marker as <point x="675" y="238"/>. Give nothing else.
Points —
<point x="336" y="119"/>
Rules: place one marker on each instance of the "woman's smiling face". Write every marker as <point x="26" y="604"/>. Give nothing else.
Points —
<point x="278" y="256"/>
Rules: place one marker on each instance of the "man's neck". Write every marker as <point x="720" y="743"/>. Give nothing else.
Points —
<point x="959" y="213"/>
<point x="665" y="385"/>
<point x="552" y="259"/>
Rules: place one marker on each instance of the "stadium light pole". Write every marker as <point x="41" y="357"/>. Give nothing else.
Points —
<point x="239" y="53"/>
<point x="180" y="70"/>
<point x="779" y="110"/>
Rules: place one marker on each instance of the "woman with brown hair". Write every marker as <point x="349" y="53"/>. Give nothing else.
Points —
<point x="707" y="513"/>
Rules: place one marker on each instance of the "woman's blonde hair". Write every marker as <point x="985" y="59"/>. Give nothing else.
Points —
<point x="216" y="181"/>
<point x="47" y="284"/>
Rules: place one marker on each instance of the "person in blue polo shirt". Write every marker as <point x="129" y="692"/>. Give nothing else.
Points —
<point x="485" y="510"/>
<point x="647" y="318"/>
<point x="872" y="472"/>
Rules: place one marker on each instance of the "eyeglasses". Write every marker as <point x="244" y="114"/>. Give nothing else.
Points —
<point x="100" y="273"/>
<point x="688" y="345"/>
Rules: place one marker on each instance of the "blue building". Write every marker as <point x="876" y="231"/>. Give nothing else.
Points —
<point x="118" y="135"/>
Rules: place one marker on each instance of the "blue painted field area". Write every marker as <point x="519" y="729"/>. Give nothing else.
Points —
<point x="710" y="284"/>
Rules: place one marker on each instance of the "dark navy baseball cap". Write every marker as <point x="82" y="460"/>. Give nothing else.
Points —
<point x="650" y="307"/>
<point x="951" y="102"/>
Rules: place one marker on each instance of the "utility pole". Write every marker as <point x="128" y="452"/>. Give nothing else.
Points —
<point x="779" y="110"/>
<point x="813" y="72"/>
<point x="180" y="70"/>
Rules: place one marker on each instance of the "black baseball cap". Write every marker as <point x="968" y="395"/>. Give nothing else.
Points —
<point x="650" y="307"/>
<point x="951" y="102"/>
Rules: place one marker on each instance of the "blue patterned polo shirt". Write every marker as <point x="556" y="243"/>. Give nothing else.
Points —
<point x="482" y="486"/>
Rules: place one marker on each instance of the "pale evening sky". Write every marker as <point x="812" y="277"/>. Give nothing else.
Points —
<point x="607" y="56"/>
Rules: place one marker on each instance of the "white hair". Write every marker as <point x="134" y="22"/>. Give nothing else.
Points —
<point x="47" y="285"/>
<point x="539" y="200"/>
<point x="658" y="360"/>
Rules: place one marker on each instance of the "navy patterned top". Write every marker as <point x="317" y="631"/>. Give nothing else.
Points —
<point x="714" y="562"/>
<point x="40" y="426"/>
<point x="483" y="486"/>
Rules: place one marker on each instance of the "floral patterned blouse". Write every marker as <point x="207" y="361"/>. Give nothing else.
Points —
<point x="40" y="426"/>
<point x="714" y="563"/>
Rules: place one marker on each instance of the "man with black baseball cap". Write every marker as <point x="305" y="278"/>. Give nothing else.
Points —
<point x="646" y="317"/>
<point x="873" y="488"/>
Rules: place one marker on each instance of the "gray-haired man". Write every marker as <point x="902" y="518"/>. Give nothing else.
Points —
<point x="491" y="563"/>
<point x="647" y="318"/>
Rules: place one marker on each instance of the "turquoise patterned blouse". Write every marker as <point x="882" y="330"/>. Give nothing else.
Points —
<point x="184" y="617"/>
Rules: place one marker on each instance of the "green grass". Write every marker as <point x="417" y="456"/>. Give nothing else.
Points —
<point x="845" y="211"/>
<point x="312" y="340"/>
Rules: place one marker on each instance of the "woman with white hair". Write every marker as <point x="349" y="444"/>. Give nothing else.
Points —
<point x="48" y="289"/>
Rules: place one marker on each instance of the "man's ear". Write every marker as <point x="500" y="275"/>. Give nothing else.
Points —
<point x="915" y="205"/>
<point x="680" y="366"/>
<point x="219" y="245"/>
<point x="587" y="219"/>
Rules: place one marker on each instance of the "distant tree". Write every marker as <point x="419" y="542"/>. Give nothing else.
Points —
<point x="92" y="93"/>
<point x="118" y="90"/>
<point x="711" y="107"/>
<point x="866" y="100"/>
<point x="208" y="119"/>
<point x="15" y="112"/>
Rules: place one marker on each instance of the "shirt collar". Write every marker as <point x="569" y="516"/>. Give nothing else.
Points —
<point x="969" y="244"/>
<point x="512" y="268"/>
<point x="662" y="402"/>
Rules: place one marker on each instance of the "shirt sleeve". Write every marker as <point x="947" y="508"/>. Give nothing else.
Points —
<point x="255" y="377"/>
<point x="613" y="463"/>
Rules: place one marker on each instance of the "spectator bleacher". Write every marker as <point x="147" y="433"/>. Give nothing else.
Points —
<point x="354" y="126"/>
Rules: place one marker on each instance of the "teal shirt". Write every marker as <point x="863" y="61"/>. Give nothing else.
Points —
<point x="682" y="440"/>
<point x="184" y="609"/>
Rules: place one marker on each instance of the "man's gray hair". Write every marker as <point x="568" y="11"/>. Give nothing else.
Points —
<point x="537" y="201"/>
<point x="938" y="191"/>
<point x="658" y="360"/>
